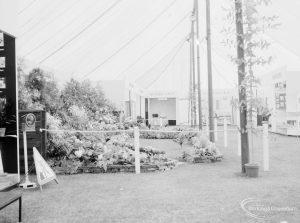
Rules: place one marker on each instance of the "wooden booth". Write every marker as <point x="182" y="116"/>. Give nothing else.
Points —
<point x="9" y="146"/>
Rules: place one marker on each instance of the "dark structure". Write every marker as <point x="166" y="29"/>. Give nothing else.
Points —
<point x="8" y="100"/>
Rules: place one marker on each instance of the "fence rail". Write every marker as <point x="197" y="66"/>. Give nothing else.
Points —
<point x="136" y="135"/>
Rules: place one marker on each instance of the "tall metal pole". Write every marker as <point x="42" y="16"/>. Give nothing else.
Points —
<point x="130" y="112"/>
<point x="193" y="69"/>
<point x="198" y="65"/>
<point x="241" y="77"/>
<point x="191" y="84"/>
<point x="209" y="73"/>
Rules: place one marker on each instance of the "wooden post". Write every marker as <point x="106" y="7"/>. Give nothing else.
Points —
<point x="225" y="133"/>
<point x="209" y="73"/>
<point x="137" y="150"/>
<point x="1" y="164"/>
<point x="250" y="141"/>
<point x="130" y="109"/>
<point x="198" y="65"/>
<point x="216" y="128"/>
<point x="266" y="157"/>
<point x="193" y="68"/>
<point x="25" y="156"/>
<point x="191" y="82"/>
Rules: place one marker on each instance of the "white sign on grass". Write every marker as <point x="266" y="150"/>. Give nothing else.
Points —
<point x="44" y="172"/>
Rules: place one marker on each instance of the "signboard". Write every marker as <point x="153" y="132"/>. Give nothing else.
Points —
<point x="29" y="123"/>
<point x="280" y="101"/>
<point x="44" y="172"/>
<point x="280" y="95"/>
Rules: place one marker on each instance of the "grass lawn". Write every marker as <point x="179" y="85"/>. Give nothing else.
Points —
<point x="189" y="193"/>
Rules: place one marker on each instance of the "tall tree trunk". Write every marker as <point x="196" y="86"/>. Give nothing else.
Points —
<point x="241" y="77"/>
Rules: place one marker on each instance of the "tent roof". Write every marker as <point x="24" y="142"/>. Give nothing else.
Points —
<point x="142" y="41"/>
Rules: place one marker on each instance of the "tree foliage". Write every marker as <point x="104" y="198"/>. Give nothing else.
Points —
<point x="84" y="95"/>
<point x="255" y="44"/>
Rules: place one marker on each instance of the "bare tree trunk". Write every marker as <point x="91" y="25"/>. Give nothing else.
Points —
<point x="241" y="77"/>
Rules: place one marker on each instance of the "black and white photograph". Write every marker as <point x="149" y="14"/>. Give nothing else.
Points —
<point x="1" y="39"/>
<point x="2" y="62"/>
<point x="149" y="111"/>
<point x="2" y="83"/>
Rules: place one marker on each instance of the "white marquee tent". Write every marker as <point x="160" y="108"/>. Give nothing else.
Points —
<point x="143" y="41"/>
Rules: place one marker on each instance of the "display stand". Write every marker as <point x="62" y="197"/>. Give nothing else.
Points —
<point x="27" y="184"/>
<point x="27" y="125"/>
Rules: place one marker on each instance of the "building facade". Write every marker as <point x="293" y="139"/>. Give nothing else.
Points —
<point x="282" y="92"/>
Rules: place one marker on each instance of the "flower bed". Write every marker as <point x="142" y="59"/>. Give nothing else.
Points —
<point x="202" y="151"/>
<point x="164" y="134"/>
<point x="113" y="155"/>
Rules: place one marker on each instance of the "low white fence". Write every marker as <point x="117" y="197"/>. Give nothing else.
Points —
<point x="136" y="135"/>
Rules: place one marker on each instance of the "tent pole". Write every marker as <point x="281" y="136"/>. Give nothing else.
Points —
<point x="198" y="65"/>
<point x="209" y="73"/>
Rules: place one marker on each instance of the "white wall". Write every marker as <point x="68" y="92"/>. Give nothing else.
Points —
<point x="182" y="111"/>
<point x="163" y="108"/>
<point x="117" y="91"/>
<point x="293" y="90"/>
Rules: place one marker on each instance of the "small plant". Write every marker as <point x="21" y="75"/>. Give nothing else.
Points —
<point x="203" y="150"/>
<point x="181" y="138"/>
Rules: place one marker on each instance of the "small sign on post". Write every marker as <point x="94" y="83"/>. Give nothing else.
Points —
<point x="27" y="125"/>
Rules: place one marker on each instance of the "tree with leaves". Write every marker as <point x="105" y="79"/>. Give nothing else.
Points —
<point x="247" y="34"/>
<point x="254" y="43"/>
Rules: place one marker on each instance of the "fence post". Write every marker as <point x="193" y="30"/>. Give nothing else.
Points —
<point x="1" y="165"/>
<point x="265" y="146"/>
<point x="137" y="150"/>
<point x="216" y="128"/>
<point x="225" y="133"/>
